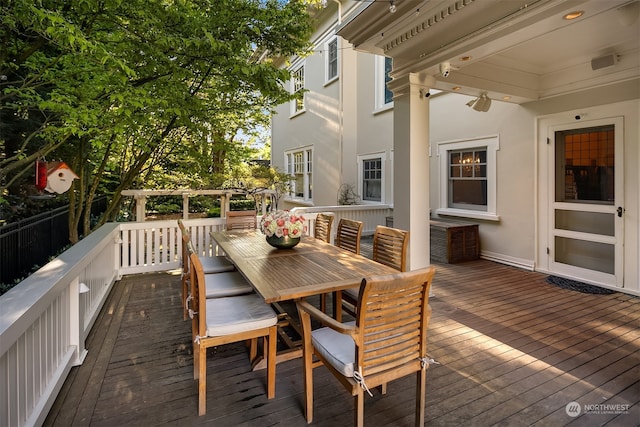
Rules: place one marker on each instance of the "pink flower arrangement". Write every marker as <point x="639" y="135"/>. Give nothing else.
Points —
<point x="283" y="223"/>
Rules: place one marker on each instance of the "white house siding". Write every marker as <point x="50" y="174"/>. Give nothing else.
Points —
<point x="340" y="122"/>
<point x="511" y="239"/>
<point x="517" y="238"/>
<point x="516" y="235"/>
<point x="317" y="127"/>
<point x="374" y="133"/>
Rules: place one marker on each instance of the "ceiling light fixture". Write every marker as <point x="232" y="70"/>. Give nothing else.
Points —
<point x="573" y="15"/>
<point x="481" y="103"/>
<point x="392" y="6"/>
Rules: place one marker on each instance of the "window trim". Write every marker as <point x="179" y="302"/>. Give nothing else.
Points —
<point x="294" y="110"/>
<point x="328" y="79"/>
<point x="492" y="144"/>
<point x="380" y="85"/>
<point x="307" y="164"/>
<point x="383" y="172"/>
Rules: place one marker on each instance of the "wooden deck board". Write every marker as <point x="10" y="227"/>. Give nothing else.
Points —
<point x="513" y="350"/>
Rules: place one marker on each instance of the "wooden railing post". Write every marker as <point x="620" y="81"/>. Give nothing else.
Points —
<point x="76" y="322"/>
<point x="141" y="207"/>
<point x="185" y="205"/>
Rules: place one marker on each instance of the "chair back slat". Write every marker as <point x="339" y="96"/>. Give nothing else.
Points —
<point x="241" y="220"/>
<point x="182" y="227"/>
<point x="199" y="296"/>
<point x="186" y="241"/>
<point x="322" y="227"/>
<point x="390" y="247"/>
<point x="393" y="315"/>
<point x="348" y="236"/>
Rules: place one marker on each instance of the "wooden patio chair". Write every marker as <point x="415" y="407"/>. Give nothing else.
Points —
<point x="322" y="231"/>
<point x="387" y="341"/>
<point x="322" y="227"/>
<point x="215" y="264"/>
<point x="218" y="321"/>
<point x="389" y="248"/>
<point x="210" y="265"/>
<point x="348" y="235"/>
<point x="242" y="220"/>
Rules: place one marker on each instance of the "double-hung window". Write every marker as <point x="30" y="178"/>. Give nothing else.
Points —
<point x="468" y="178"/>
<point x="297" y="87"/>
<point x="299" y="164"/>
<point x="371" y="171"/>
<point x="331" y="60"/>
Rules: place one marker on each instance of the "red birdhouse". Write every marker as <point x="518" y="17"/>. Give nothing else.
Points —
<point x="59" y="177"/>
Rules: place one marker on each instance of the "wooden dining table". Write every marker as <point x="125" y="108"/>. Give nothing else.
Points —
<point x="312" y="267"/>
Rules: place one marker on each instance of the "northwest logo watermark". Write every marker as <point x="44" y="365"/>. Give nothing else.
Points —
<point x="573" y="409"/>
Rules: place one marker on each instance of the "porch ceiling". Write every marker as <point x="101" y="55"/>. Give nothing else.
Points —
<point x="522" y="49"/>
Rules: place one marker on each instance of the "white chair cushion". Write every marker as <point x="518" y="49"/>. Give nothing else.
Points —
<point x="231" y="315"/>
<point x="216" y="264"/>
<point x="229" y="284"/>
<point x="337" y="349"/>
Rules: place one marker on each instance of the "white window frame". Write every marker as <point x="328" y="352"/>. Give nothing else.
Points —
<point x="383" y="161"/>
<point x="328" y="78"/>
<point x="492" y="145"/>
<point x="296" y="85"/>
<point x="307" y="171"/>
<point x="381" y="85"/>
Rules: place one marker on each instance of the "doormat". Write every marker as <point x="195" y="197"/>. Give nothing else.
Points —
<point x="574" y="285"/>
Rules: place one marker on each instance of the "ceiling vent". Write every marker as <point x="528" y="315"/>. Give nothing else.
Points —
<point x="604" y="61"/>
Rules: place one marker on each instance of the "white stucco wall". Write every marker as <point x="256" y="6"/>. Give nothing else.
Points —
<point x="512" y="237"/>
<point x="317" y="127"/>
<point x="515" y="237"/>
<point x="341" y="123"/>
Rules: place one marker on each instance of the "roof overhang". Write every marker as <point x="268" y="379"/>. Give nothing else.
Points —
<point x="522" y="49"/>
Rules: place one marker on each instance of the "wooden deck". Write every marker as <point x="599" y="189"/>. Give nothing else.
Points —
<point x="512" y="350"/>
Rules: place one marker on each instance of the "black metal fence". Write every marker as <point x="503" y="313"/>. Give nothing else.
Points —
<point x="32" y="241"/>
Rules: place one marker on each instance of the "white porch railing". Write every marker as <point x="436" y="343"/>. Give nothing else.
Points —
<point x="155" y="245"/>
<point x="45" y="320"/>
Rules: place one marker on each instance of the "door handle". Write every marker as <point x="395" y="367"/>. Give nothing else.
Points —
<point x="620" y="210"/>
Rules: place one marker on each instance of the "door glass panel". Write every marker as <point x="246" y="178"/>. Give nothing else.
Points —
<point x="585" y="165"/>
<point x="589" y="255"/>
<point x="586" y="222"/>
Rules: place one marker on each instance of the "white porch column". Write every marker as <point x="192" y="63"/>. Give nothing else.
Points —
<point x="411" y="163"/>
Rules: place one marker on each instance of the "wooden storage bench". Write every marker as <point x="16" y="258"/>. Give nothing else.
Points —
<point x="454" y="241"/>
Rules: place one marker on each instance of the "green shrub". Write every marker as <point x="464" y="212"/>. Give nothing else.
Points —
<point x="241" y="205"/>
<point x="213" y="212"/>
<point x="168" y="208"/>
<point x="202" y="203"/>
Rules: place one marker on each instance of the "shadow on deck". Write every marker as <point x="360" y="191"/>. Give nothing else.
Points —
<point x="512" y="350"/>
